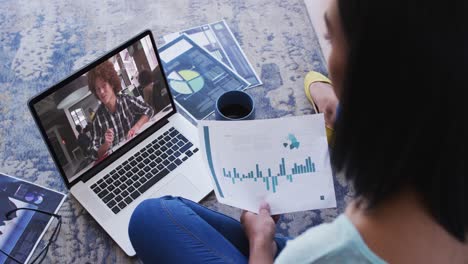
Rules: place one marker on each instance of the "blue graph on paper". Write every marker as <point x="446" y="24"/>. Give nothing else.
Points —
<point x="267" y="176"/>
<point x="257" y="175"/>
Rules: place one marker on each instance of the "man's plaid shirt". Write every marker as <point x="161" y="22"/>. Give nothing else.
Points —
<point x="128" y="108"/>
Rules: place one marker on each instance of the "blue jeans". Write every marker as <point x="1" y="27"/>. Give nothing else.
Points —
<point x="176" y="230"/>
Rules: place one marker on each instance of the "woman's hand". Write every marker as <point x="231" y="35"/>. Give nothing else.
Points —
<point x="109" y="137"/>
<point x="260" y="230"/>
<point x="131" y="133"/>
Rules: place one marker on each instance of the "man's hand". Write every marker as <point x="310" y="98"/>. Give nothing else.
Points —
<point x="260" y="230"/>
<point x="109" y="137"/>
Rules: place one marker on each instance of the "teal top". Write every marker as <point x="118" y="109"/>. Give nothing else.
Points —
<point x="336" y="242"/>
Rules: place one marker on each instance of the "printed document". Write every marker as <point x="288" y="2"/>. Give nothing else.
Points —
<point x="218" y="40"/>
<point x="284" y="162"/>
<point x="195" y="77"/>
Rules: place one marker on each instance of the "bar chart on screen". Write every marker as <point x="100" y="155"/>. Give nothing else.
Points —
<point x="280" y="161"/>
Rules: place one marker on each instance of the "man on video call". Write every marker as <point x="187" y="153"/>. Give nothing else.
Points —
<point x="115" y="119"/>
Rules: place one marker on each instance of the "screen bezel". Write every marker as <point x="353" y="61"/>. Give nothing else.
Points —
<point x="135" y="141"/>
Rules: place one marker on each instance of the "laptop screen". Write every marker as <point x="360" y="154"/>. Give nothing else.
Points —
<point x="91" y="115"/>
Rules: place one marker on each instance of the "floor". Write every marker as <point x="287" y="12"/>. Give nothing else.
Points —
<point x="44" y="41"/>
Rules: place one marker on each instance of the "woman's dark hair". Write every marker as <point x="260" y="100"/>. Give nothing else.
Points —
<point x="402" y="118"/>
<point x="145" y="77"/>
<point x="107" y="73"/>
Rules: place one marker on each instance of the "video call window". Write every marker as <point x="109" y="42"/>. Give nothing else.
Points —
<point x="97" y="113"/>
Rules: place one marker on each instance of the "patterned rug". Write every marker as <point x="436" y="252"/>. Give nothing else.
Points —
<point x="44" y="41"/>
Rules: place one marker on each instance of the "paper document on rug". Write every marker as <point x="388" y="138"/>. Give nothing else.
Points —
<point x="21" y="232"/>
<point x="195" y="77"/>
<point x="219" y="40"/>
<point x="284" y="162"/>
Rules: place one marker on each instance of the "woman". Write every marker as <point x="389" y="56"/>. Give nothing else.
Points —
<point x="116" y="117"/>
<point x="396" y="71"/>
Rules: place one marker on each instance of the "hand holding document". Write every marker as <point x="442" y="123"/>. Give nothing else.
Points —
<point x="284" y="162"/>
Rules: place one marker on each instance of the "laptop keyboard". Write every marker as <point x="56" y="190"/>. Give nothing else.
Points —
<point x="141" y="171"/>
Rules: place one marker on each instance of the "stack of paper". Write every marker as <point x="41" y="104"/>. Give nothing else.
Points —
<point x="203" y="62"/>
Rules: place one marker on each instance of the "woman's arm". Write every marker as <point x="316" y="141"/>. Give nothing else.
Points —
<point x="138" y="107"/>
<point x="102" y="150"/>
<point x="143" y="119"/>
<point x="98" y="140"/>
<point x="108" y="139"/>
<point x="262" y="251"/>
<point x="260" y="230"/>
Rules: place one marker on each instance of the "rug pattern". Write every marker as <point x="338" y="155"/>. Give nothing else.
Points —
<point x="44" y="41"/>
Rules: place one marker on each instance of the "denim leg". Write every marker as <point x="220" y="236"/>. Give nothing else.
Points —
<point x="166" y="230"/>
<point x="206" y="236"/>
<point x="230" y="228"/>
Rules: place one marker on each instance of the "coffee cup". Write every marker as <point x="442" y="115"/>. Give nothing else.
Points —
<point x="234" y="105"/>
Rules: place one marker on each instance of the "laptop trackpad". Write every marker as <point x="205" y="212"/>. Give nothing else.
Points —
<point x="179" y="186"/>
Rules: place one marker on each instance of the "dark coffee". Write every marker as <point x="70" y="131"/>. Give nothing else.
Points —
<point x="235" y="111"/>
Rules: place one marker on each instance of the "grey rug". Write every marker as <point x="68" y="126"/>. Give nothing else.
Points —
<point x="44" y="41"/>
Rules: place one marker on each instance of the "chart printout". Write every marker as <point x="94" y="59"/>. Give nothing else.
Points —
<point x="284" y="162"/>
<point x="195" y="77"/>
<point x="218" y="39"/>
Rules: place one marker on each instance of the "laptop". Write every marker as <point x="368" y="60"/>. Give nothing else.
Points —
<point x="116" y="137"/>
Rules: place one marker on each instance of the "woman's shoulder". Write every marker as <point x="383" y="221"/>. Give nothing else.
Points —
<point x="127" y="98"/>
<point x="123" y="96"/>
<point x="100" y="110"/>
<point x="314" y="243"/>
<point x="329" y="243"/>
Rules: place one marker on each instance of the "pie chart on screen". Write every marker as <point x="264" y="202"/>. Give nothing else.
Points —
<point x="186" y="81"/>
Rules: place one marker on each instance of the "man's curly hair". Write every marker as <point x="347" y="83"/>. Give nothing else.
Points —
<point x="106" y="72"/>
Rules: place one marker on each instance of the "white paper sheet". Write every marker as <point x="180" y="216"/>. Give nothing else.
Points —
<point x="262" y="154"/>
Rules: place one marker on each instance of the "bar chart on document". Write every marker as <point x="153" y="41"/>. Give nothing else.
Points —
<point x="284" y="162"/>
